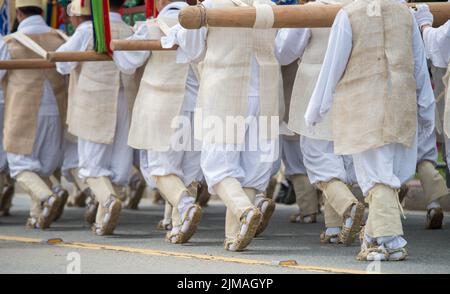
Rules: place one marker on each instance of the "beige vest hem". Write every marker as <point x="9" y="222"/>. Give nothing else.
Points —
<point x="23" y="94"/>
<point x="160" y="97"/>
<point x="226" y="77"/>
<point x="305" y="82"/>
<point x="378" y="105"/>
<point x="93" y="95"/>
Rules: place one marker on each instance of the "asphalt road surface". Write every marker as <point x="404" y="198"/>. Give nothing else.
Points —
<point x="137" y="247"/>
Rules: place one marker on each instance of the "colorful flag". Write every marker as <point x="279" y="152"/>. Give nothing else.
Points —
<point x="4" y="18"/>
<point x="54" y="14"/>
<point x="150" y="9"/>
<point x="286" y="2"/>
<point x="101" y="25"/>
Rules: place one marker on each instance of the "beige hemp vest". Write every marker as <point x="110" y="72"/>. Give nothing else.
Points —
<point x="23" y="94"/>
<point x="226" y="75"/>
<point x="160" y="97"/>
<point x="375" y="101"/>
<point x="446" y="80"/>
<point x="305" y="82"/>
<point x="93" y="95"/>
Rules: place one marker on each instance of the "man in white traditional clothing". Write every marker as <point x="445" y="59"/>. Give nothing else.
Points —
<point x="6" y="183"/>
<point x="163" y="122"/>
<point x="437" y="47"/>
<point x="240" y="82"/>
<point x="100" y="99"/>
<point x="331" y="173"/>
<point x="305" y="193"/>
<point x="433" y="184"/>
<point x="35" y="107"/>
<point x="381" y="135"/>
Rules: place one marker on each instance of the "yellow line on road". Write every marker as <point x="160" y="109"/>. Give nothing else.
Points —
<point x="163" y="253"/>
<point x="19" y="239"/>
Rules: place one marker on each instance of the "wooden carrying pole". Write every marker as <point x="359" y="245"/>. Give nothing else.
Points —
<point x="25" y="64"/>
<point x="116" y="45"/>
<point x="81" y="56"/>
<point x="77" y="56"/>
<point x="289" y="16"/>
<point x="138" y="45"/>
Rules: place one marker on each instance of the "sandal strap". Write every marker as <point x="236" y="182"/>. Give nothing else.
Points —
<point x="392" y="251"/>
<point x="324" y="238"/>
<point x="245" y="214"/>
<point x="227" y="243"/>
<point x="187" y="213"/>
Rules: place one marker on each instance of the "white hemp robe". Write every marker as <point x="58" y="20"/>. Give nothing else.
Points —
<point x="47" y="149"/>
<point x="437" y="47"/>
<point x="251" y="168"/>
<point x="319" y="159"/>
<point x="289" y="46"/>
<point x="391" y="164"/>
<point x="3" y="159"/>
<point x="95" y="159"/>
<point x="184" y="163"/>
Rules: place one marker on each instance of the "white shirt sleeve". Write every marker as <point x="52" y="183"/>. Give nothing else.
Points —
<point x="78" y="42"/>
<point x="129" y="61"/>
<point x="192" y="43"/>
<point x="437" y="44"/>
<point x="424" y="91"/>
<point x="290" y="44"/>
<point x="334" y="65"/>
<point x="4" y="55"/>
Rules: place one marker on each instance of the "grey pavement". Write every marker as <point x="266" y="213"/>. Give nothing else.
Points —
<point x="140" y="248"/>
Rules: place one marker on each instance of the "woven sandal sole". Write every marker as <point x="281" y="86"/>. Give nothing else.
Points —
<point x="6" y="201"/>
<point x="79" y="200"/>
<point x="356" y="225"/>
<point x="435" y="223"/>
<point x="402" y="258"/>
<point x="163" y="227"/>
<point x="184" y="237"/>
<point x="203" y="196"/>
<point x="363" y="255"/>
<point x="243" y="241"/>
<point x="64" y="197"/>
<point x="45" y="222"/>
<point x="109" y="228"/>
<point x="324" y="239"/>
<point x="32" y="223"/>
<point x="169" y="236"/>
<point x="90" y="214"/>
<point x="266" y="216"/>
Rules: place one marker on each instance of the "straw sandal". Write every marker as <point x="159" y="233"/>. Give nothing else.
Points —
<point x="348" y="234"/>
<point x="267" y="208"/>
<point x="113" y="207"/>
<point x="251" y="218"/>
<point x="50" y="208"/>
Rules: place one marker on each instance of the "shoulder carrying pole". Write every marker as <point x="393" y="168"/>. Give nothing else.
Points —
<point x="138" y="45"/>
<point x="289" y="16"/>
<point x="77" y="56"/>
<point x="33" y="63"/>
<point x="83" y="56"/>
